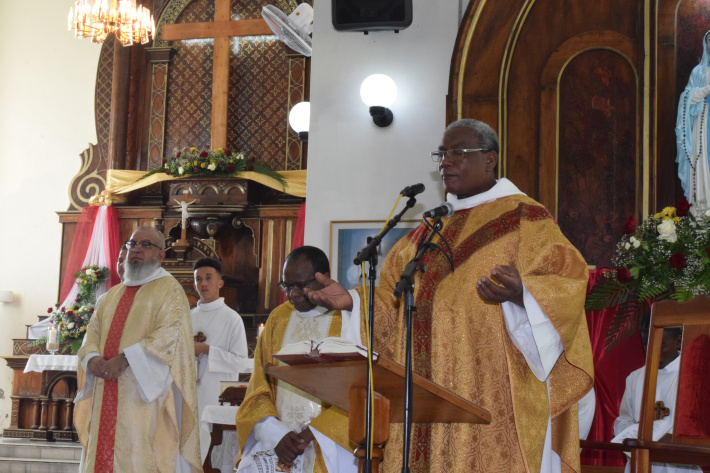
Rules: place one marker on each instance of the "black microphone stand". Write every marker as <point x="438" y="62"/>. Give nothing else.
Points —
<point x="406" y="286"/>
<point x="369" y="253"/>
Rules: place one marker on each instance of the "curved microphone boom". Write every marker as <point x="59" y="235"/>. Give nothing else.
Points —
<point x="411" y="191"/>
<point x="444" y="210"/>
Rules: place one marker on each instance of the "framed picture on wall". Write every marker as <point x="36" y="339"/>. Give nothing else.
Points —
<point x="348" y="237"/>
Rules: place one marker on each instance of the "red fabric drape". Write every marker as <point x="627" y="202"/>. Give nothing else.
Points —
<point x="79" y="245"/>
<point x="300" y="226"/>
<point x="112" y="245"/>
<point x="693" y="411"/>
<point x="610" y="372"/>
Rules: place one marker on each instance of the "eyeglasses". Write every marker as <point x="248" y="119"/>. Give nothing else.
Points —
<point x="454" y="155"/>
<point x="145" y="244"/>
<point x="290" y="287"/>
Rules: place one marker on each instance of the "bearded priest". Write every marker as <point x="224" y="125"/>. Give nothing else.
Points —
<point x="136" y="409"/>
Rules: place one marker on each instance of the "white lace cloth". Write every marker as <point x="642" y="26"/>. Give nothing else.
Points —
<point x="224" y="456"/>
<point x="41" y="363"/>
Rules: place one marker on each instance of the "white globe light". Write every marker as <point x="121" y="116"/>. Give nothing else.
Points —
<point x="300" y="117"/>
<point x="378" y="90"/>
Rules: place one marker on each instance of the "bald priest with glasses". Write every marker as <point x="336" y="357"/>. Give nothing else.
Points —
<point x="277" y="423"/>
<point x="136" y="409"/>
<point x="505" y="329"/>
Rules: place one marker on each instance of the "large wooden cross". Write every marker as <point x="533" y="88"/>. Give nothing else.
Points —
<point x="221" y="30"/>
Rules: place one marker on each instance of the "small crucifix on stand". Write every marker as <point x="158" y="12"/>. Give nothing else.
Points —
<point x="182" y="244"/>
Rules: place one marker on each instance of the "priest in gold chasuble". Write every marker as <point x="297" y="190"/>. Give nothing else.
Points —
<point x="505" y="330"/>
<point x="136" y="409"/>
<point x="280" y="424"/>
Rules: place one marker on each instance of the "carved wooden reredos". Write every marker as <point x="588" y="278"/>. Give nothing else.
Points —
<point x="584" y="97"/>
<point x="230" y="91"/>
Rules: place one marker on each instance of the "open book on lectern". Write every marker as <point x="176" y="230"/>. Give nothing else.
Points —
<point x="326" y="350"/>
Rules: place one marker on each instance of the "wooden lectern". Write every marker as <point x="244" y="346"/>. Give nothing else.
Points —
<point x="343" y="385"/>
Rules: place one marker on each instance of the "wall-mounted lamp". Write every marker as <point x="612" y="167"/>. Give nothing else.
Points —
<point x="300" y="119"/>
<point x="378" y="92"/>
<point x="6" y="296"/>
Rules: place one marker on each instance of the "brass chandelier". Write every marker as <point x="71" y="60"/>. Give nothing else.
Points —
<point x="130" y="23"/>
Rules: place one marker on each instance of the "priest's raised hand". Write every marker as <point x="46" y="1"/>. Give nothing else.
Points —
<point x="333" y="296"/>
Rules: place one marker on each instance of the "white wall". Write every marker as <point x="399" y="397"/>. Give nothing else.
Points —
<point x="47" y="80"/>
<point x="356" y="169"/>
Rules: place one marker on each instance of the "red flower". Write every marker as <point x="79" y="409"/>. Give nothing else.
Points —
<point x="250" y="168"/>
<point x="227" y="151"/>
<point x="623" y="274"/>
<point x="196" y="170"/>
<point x="178" y="155"/>
<point x="165" y="160"/>
<point x="91" y="311"/>
<point x="203" y="154"/>
<point x="167" y="171"/>
<point x="49" y="311"/>
<point x="230" y="168"/>
<point x="70" y="312"/>
<point x="682" y="207"/>
<point x="630" y="225"/>
<point x="77" y="300"/>
<point x="252" y="158"/>
<point x="62" y="309"/>
<point x="77" y="318"/>
<point x="677" y="260"/>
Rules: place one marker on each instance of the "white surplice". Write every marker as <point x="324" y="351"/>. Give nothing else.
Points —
<point x="630" y="408"/>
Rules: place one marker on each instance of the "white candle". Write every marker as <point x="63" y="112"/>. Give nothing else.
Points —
<point x="261" y="329"/>
<point x="53" y="339"/>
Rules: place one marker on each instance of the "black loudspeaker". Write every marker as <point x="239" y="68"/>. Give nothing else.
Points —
<point x="371" y="15"/>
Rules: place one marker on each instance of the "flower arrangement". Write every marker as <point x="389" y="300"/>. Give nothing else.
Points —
<point x="666" y="256"/>
<point x="73" y="320"/>
<point x="213" y="163"/>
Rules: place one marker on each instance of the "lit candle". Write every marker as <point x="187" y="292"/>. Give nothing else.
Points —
<point x="53" y="339"/>
<point x="261" y="329"/>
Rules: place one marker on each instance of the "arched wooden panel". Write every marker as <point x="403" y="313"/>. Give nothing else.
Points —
<point x="598" y="160"/>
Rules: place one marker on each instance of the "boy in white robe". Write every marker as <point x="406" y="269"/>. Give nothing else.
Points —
<point x="223" y="353"/>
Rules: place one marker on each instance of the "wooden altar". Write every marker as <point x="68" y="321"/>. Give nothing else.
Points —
<point x="42" y="403"/>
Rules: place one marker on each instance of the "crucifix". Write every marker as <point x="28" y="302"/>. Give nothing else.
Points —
<point x="221" y="30"/>
<point x="661" y="410"/>
<point x="182" y="201"/>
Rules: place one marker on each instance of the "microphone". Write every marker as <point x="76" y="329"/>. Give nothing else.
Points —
<point x="411" y="191"/>
<point x="444" y="210"/>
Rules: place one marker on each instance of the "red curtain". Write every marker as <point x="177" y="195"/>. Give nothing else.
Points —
<point x="610" y="372"/>
<point x="79" y="245"/>
<point x="300" y="226"/>
<point x="112" y="244"/>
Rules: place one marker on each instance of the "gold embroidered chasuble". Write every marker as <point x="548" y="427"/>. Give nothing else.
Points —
<point x="147" y="434"/>
<point x="460" y="342"/>
<point x="267" y="396"/>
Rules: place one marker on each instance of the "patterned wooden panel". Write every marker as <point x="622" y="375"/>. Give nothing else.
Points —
<point x="598" y="170"/>
<point x="102" y="106"/>
<point x="189" y="94"/>
<point x="257" y="121"/>
<point x="297" y="93"/>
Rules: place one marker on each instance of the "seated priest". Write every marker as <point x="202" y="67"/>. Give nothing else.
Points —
<point x="626" y="425"/>
<point x="278" y="420"/>
<point x="500" y="320"/>
<point x="136" y="409"/>
<point x="220" y="341"/>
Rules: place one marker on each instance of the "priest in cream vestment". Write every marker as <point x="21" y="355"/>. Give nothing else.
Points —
<point x="136" y="410"/>
<point x="505" y="330"/>
<point x="282" y="420"/>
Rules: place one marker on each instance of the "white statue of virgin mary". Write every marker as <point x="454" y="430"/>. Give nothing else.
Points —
<point x="692" y="133"/>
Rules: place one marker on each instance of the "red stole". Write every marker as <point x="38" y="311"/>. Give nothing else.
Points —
<point x="109" y="403"/>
